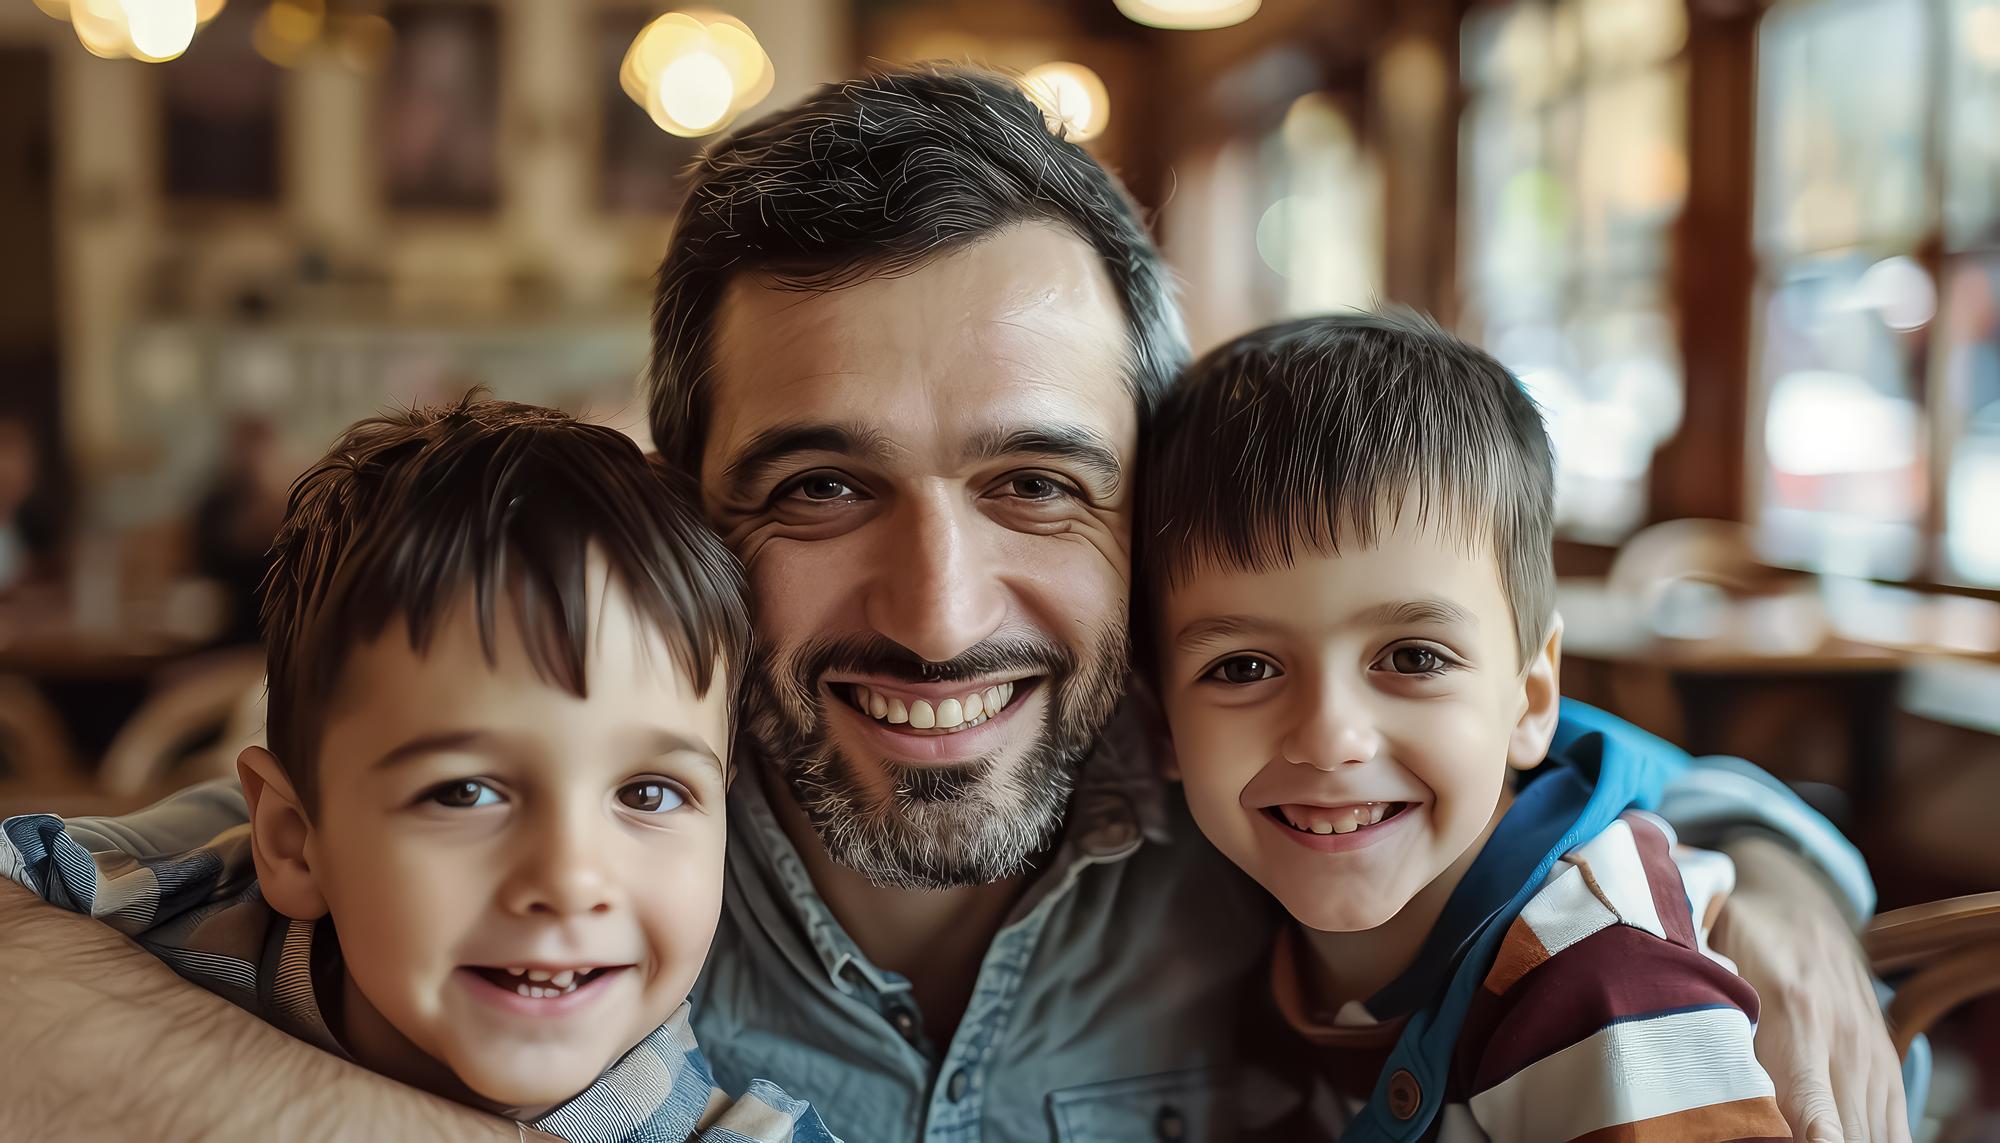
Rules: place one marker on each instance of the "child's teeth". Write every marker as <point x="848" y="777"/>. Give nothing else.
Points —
<point x="537" y="974"/>
<point x="1322" y="827"/>
<point x="517" y="971"/>
<point x="1346" y="825"/>
<point x="564" y="979"/>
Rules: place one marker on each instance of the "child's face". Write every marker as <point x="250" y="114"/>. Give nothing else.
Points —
<point x="1344" y="726"/>
<point x="475" y="820"/>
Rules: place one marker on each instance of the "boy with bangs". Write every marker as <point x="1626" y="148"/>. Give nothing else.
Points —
<point x="488" y="833"/>
<point x="1347" y="527"/>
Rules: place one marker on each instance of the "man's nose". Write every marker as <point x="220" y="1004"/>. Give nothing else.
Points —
<point x="1330" y="729"/>
<point x="561" y="869"/>
<point x="936" y="590"/>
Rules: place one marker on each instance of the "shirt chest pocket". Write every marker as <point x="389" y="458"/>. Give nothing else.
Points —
<point x="1192" y="1106"/>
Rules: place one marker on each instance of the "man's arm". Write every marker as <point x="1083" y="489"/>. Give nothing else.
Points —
<point x="1801" y="892"/>
<point x="101" y="1041"/>
<point x="1822" y="1038"/>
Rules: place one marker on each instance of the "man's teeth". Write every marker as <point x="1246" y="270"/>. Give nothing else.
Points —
<point x="1341" y="819"/>
<point x="539" y="984"/>
<point x="960" y="713"/>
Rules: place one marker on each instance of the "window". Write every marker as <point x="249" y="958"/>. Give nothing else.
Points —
<point x="1573" y="171"/>
<point x="1876" y="392"/>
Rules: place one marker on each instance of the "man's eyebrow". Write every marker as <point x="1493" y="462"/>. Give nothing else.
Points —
<point x="1066" y="442"/>
<point x="770" y="448"/>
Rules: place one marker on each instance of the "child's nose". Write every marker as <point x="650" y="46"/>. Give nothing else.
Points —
<point x="1331" y="733"/>
<point x="561" y="872"/>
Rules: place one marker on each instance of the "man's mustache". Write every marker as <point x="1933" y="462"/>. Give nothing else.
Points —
<point x="885" y="658"/>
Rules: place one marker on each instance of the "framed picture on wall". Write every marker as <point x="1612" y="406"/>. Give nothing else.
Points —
<point x="439" y="116"/>
<point x="639" y="166"/>
<point x="219" y="110"/>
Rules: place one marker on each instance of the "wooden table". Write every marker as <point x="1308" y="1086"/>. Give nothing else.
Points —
<point x="1752" y="648"/>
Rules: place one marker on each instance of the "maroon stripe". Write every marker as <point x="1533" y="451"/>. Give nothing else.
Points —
<point x="1663" y="877"/>
<point x="1618" y="973"/>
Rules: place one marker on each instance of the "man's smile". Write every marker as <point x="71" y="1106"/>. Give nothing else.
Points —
<point x="940" y="708"/>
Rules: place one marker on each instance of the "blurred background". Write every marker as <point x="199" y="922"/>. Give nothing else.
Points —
<point x="1745" y="252"/>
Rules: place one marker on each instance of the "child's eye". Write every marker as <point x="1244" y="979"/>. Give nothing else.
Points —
<point x="467" y="794"/>
<point x="651" y="796"/>
<point x="1415" y="661"/>
<point x="1242" y="670"/>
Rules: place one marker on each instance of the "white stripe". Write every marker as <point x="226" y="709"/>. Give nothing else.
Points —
<point x="1626" y="1073"/>
<point x="1620" y="874"/>
<point x="1564" y="910"/>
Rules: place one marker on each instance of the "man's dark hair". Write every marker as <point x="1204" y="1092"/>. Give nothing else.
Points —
<point x="409" y="511"/>
<point x="1320" y="432"/>
<point x="876" y="177"/>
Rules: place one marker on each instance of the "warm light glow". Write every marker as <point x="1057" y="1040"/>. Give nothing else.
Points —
<point x="56" y="8"/>
<point x="1188" y="14"/>
<point x="100" y="28"/>
<point x="695" y="71"/>
<point x="206" y="10"/>
<point x="160" y="29"/>
<point x="695" y="90"/>
<point x="1982" y="34"/>
<point x="287" y="28"/>
<point x="1072" y="98"/>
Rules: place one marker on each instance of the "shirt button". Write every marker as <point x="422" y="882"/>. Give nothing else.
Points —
<point x="905" y="1022"/>
<point x="954" y="1088"/>
<point x="1170" y="1125"/>
<point x="1404" y="1094"/>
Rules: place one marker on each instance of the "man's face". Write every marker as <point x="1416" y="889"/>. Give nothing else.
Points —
<point x="524" y="882"/>
<point x="927" y="478"/>
<point x="1344" y="725"/>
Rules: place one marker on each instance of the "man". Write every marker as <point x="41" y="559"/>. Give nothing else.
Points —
<point x="906" y="339"/>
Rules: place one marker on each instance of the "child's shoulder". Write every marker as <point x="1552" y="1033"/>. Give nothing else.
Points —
<point x="1634" y="874"/>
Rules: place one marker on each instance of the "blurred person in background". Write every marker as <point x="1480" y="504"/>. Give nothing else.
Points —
<point x="28" y="534"/>
<point x="236" y="519"/>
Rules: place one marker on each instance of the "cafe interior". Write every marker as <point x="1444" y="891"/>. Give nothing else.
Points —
<point x="1744" y="253"/>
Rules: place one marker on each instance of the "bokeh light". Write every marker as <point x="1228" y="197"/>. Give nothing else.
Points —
<point x="1072" y="98"/>
<point x="1189" y="14"/>
<point x="695" y="71"/>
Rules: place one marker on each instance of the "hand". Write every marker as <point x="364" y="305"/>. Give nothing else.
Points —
<point x="1820" y="1033"/>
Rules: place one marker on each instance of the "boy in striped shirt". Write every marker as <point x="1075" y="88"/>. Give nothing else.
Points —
<point x="488" y="833"/>
<point x="1346" y="545"/>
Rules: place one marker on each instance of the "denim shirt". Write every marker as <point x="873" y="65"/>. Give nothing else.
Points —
<point x="1104" y="1010"/>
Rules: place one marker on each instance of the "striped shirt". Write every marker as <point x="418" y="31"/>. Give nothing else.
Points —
<point x="201" y="912"/>
<point x="1604" y="1016"/>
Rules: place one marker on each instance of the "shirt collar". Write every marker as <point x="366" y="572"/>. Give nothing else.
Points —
<point x="1119" y="805"/>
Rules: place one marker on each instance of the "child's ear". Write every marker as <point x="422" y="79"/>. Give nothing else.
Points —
<point x="279" y="830"/>
<point x="1541" y="703"/>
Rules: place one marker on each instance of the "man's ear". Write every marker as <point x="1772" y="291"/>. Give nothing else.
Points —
<point x="1541" y="703"/>
<point x="279" y="831"/>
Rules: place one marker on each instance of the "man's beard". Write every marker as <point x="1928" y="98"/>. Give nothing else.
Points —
<point x="939" y="826"/>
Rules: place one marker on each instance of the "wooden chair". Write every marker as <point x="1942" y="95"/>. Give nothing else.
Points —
<point x="203" y="700"/>
<point x="1939" y="955"/>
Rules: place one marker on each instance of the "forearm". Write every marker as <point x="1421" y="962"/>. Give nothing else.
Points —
<point x="103" y="1041"/>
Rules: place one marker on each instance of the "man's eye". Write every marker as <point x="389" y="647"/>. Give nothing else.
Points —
<point x="464" y="795"/>
<point x="821" y="488"/>
<point x="1035" y="488"/>
<point x="1416" y="661"/>
<point x="1245" y="669"/>
<point x="651" y="796"/>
